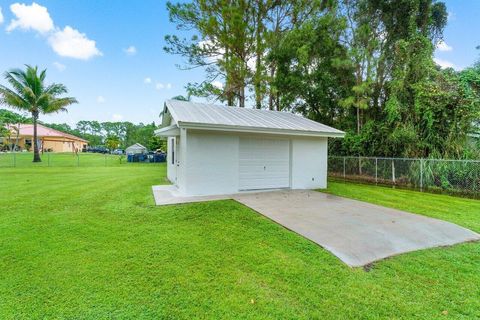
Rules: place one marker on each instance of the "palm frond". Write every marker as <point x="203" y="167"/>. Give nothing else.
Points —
<point x="30" y="93"/>
<point x="43" y="74"/>
<point x="32" y="79"/>
<point x="14" y="82"/>
<point x="41" y="79"/>
<point x="20" y="75"/>
<point x="56" y="89"/>
<point x="10" y="98"/>
<point x="44" y="100"/>
<point x="59" y="104"/>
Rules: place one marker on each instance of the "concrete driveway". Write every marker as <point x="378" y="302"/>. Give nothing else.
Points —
<point x="356" y="232"/>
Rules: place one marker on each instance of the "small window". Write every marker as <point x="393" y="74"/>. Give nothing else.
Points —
<point x="173" y="150"/>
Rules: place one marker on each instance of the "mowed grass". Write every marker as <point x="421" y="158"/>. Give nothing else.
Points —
<point x="462" y="211"/>
<point x="64" y="159"/>
<point x="88" y="243"/>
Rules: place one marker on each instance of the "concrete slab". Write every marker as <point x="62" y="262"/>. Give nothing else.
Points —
<point x="356" y="232"/>
<point x="168" y="194"/>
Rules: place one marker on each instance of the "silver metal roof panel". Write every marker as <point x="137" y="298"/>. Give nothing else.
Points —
<point x="204" y="115"/>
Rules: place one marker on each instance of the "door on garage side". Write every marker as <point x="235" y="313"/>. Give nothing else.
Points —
<point x="172" y="159"/>
<point x="264" y="164"/>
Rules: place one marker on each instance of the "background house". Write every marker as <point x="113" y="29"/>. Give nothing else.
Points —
<point x="222" y="150"/>
<point x="136" y="148"/>
<point x="49" y="140"/>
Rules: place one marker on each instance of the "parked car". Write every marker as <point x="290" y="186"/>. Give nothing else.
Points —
<point x="118" y="151"/>
<point x="98" y="149"/>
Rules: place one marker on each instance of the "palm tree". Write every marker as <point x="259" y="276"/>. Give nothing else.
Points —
<point x="29" y="93"/>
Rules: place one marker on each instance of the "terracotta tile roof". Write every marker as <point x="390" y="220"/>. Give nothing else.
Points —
<point x="42" y="131"/>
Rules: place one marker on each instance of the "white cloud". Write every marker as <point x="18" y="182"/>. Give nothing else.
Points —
<point x="71" y="43"/>
<point x="443" y="46"/>
<point x="217" y="84"/>
<point x="60" y="67"/>
<point x="101" y="99"/>
<point x="68" y="42"/>
<point x="130" y="51"/>
<point x="160" y="86"/>
<point x="208" y="45"/>
<point x="30" y="17"/>
<point x="1" y="16"/>
<point x="444" y="64"/>
<point x="117" y="117"/>
<point x="147" y="80"/>
<point x="451" y="16"/>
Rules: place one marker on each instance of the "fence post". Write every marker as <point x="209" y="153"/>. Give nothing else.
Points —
<point x="78" y="160"/>
<point x="105" y="155"/>
<point x="48" y="157"/>
<point x="343" y="168"/>
<point x="376" y="170"/>
<point x="14" y="159"/>
<point x="421" y="174"/>
<point x="393" y="171"/>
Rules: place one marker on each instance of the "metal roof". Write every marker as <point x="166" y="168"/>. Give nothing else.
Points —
<point x="209" y="116"/>
<point x="137" y="146"/>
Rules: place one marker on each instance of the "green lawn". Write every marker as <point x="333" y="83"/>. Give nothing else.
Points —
<point x="88" y="243"/>
<point x="65" y="159"/>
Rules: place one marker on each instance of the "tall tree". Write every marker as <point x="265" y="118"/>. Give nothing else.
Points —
<point x="313" y="70"/>
<point x="30" y="93"/>
<point x="222" y="44"/>
<point x="112" y="142"/>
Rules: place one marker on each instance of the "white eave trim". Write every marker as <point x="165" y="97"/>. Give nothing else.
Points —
<point x="228" y="128"/>
<point x="169" y="131"/>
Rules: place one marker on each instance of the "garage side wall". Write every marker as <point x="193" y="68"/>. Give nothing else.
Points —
<point x="212" y="164"/>
<point x="309" y="163"/>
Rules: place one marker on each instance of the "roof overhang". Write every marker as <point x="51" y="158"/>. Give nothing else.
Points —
<point x="169" y="131"/>
<point x="228" y="128"/>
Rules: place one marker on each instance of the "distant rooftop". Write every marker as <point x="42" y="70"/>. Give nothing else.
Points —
<point x="42" y="131"/>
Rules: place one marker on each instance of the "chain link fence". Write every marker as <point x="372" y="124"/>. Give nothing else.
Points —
<point x="24" y="160"/>
<point x="453" y="176"/>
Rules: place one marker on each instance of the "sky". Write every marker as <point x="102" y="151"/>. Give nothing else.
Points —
<point x="110" y="53"/>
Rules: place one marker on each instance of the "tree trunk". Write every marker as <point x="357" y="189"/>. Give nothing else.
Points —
<point x="228" y="90"/>
<point x="230" y="101"/>
<point x="271" y="98"/>
<point x="258" y="84"/>
<point x="358" y="120"/>
<point x="259" y="54"/>
<point x="241" y="97"/>
<point x="36" y="154"/>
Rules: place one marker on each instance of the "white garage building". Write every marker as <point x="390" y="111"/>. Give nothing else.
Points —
<point x="222" y="150"/>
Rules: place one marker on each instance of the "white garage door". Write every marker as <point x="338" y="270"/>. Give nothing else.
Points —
<point x="264" y="164"/>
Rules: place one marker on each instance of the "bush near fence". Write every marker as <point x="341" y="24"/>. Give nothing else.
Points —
<point x="453" y="176"/>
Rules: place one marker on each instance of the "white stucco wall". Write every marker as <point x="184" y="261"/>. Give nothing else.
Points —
<point x="212" y="164"/>
<point x="208" y="162"/>
<point x="309" y="163"/>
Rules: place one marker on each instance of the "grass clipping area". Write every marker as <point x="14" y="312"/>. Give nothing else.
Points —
<point x="88" y="243"/>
